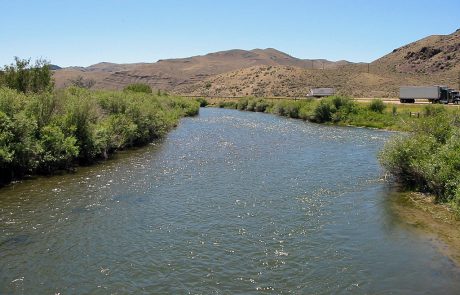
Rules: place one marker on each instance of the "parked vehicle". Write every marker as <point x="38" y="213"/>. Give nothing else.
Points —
<point x="455" y="96"/>
<point x="434" y="94"/>
<point x="321" y="92"/>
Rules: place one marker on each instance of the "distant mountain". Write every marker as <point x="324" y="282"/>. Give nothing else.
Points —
<point x="270" y="72"/>
<point x="55" y="67"/>
<point x="170" y="73"/>
<point x="429" y="61"/>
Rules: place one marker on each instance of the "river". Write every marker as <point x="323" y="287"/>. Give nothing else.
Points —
<point x="229" y="202"/>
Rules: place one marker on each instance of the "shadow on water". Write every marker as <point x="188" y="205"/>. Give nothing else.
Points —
<point x="16" y="241"/>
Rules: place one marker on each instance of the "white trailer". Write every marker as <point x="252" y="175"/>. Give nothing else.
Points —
<point x="321" y="92"/>
<point x="434" y="94"/>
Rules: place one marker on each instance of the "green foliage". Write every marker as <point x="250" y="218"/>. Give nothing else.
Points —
<point x="138" y="87"/>
<point x="251" y="106"/>
<point x="57" y="150"/>
<point x="202" y="101"/>
<point x="42" y="133"/>
<point x="432" y="110"/>
<point x="323" y="112"/>
<point x="24" y="77"/>
<point x="227" y="105"/>
<point x="428" y="159"/>
<point x="261" y="105"/>
<point x="377" y="106"/>
<point x="242" y="104"/>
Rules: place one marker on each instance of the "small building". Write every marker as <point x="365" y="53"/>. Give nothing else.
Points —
<point x="321" y="92"/>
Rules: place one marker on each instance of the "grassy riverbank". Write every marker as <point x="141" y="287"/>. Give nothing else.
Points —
<point x="428" y="158"/>
<point x="48" y="131"/>
<point x="425" y="159"/>
<point x="336" y="110"/>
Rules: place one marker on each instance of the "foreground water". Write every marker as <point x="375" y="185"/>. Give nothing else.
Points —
<point x="230" y="202"/>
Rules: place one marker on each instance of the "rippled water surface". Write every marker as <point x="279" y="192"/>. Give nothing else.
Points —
<point x="229" y="202"/>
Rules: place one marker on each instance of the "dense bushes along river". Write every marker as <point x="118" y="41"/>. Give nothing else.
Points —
<point x="426" y="158"/>
<point x="334" y="110"/>
<point x="49" y="131"/>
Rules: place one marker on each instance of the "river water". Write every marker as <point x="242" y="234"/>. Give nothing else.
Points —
<point x="229" y="202"/>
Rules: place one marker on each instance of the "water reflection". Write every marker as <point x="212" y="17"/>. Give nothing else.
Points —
<point x="229" y="202"/>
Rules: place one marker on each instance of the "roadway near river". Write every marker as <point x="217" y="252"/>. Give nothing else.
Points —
<point x="396" y="101"/>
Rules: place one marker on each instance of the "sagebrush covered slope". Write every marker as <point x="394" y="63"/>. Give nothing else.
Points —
<point x="269" y="72"/>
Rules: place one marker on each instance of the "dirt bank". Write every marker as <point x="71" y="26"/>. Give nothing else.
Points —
<point x="436" y="222"/>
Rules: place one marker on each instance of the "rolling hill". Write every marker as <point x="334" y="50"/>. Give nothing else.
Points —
<point x="171" y="73"/>
<point x="269" y="72"/>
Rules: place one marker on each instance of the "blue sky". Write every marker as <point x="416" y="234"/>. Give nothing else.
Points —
<point x="86" y="32"/>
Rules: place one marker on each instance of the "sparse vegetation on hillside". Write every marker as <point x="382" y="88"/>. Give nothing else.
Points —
<point x="81" y="82"/>
<point x="434" y="60"/>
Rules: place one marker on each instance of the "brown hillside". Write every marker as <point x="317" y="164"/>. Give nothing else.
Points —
<point x="269" y="72"/>
<point x="432" y="60"/>
<point x="171" y="73"/>
<point x="431" y="55"/>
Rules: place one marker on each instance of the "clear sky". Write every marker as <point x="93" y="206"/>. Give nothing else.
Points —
<point x="89" y="31"/>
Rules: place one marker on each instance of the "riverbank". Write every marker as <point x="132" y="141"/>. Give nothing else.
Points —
<point x="336" y="110"/>
<point x="437" y="222"/>
<point x="51" y="131"/>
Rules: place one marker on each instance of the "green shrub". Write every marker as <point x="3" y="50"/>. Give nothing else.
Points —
<point x="431" y="110"/>
<point x="339" y="101"/>
<point x="42" y="133"/>
<point x="261" y="105"/>
<point x="428" y="159"/>
<point x="138" y="87"/>
<point x="202" y="101"/>
<point x="279" y="108"/>
<point x="251" y="106"/>
<point x="242" y="104"/>
<point x="323" y="112"/>
<point x="24" y="77"/>
<point x="57" y="151"/>
<point x="377" y="106"/>
<point x="227" y="105"/>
